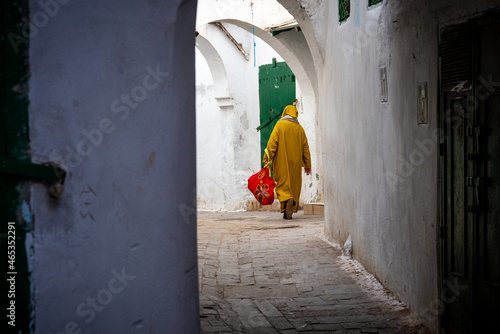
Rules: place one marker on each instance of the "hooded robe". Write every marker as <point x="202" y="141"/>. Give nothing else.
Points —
<point x="288" y="150"/>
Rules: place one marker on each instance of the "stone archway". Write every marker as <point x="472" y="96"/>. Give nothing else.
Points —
<point x="293" y="48"/>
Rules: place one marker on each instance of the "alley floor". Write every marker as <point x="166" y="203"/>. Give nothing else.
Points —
<point x="260" y="273"/>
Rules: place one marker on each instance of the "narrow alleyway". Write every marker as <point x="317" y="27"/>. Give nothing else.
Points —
<point x="262" y="274"/>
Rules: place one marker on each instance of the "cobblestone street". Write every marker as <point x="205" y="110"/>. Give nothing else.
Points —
<point x="262" y="274"/>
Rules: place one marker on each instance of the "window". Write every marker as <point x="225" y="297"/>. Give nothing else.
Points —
<point x="344" y="10"/>
<point x="373" y="2"/>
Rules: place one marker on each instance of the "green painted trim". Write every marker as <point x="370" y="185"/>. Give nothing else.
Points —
<point x="374" y="2"/>
<point x="14" y="146"/>
<point x="31" y="170"/>
<point x="344" y="10"/>
<point x="277" y="31"/>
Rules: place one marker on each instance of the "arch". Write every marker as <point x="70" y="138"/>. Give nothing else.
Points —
<point x="305" y="51"/>
<point x="303" y="17"/>
<point x="217" y="69"/>
<point x="292" y="50"/>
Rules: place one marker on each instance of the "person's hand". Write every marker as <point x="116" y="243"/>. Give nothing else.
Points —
<point x="307" y="171"/>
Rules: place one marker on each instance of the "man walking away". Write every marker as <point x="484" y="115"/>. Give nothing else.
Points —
<point x="288" y="150"/>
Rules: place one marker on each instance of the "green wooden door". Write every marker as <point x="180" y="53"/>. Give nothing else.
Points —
<point x="276" y="91"/>
<point x="470" y="203"/>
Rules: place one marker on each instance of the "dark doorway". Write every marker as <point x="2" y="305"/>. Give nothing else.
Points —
<point x="470" y="174"/>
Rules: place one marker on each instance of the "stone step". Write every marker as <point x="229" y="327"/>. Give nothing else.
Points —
<point x="314" y="209"/>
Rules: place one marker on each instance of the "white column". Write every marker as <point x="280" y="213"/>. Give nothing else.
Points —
<point x="112" y="99"/>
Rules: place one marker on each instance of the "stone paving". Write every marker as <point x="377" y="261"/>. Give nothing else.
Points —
<point x="260" y="273"/>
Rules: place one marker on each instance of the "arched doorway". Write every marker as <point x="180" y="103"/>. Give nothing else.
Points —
<point x="238" y="108"/>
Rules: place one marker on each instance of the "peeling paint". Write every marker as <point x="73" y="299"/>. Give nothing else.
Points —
<point x="137" y="325"/>
<point x="25" y="209"/>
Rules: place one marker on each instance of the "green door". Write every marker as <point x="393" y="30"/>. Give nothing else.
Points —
<point x="470" y="182"/>
<point x="276" y="91"/>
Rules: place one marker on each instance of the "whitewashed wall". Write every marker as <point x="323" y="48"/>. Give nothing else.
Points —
<point x="381" y="185"/>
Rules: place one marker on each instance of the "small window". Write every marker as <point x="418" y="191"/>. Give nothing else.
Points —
<point x="373" y="2"/>
<point x="344" y="10"/>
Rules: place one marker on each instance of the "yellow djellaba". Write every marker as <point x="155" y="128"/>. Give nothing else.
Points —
<point x="288" y="150"/>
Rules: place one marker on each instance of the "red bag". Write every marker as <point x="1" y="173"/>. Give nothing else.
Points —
<point x="262" y="186"/>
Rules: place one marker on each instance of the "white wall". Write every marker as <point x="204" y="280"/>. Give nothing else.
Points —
<point x="209" y="139"/>
<point x="117" y="252"/>
<point x="381" y="183"/>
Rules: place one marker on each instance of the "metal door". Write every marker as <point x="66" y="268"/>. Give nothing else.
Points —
<point x="276" y="91"/>
<point x="470" y="182"/>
